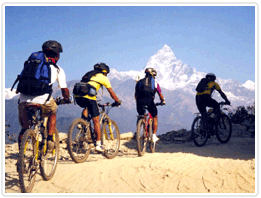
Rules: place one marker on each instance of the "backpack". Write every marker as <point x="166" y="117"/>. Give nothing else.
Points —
<point x="146" y="87"/>
<point x="35" y="77"/>
<point x="83" y="88"/>
<point x="202" y="85"/>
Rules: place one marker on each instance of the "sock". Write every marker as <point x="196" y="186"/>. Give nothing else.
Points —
<point x="98" y="143"/>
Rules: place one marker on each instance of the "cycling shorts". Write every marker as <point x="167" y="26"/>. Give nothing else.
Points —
<point x="47" y="109"/>
<point x="151" y="107"/>
<point x="91" y="105"/>
<point x="203" y="101"/>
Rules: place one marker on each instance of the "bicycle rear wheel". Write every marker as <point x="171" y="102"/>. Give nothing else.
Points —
<point x="223" y="129"/>
<point x="49" y="159"/>
<point x="78" y="145"/>
<point x="27" y="166"/>
<point x="110" y="138"/>
<point x="200" y="136"/>
<point x="141" y="137"/>
<point x="152" y="144"/>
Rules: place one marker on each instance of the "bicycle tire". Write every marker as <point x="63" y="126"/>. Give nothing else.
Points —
<point x="26" y="162"/>
<point x="50" y="159"/>
<point x="223" y="123"/>
<point x="78" y="145"/>
<point x="111" y="142"/>
<point x="141" y="138"/>
<point x="152" y="144"/>
<point x="200" y="136"/>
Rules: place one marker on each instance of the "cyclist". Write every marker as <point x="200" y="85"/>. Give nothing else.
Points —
<point x="205" y="89"/>
<point x="98" y="79"/>
<point x="145" y="91"/>
<point x="52" y="50"/>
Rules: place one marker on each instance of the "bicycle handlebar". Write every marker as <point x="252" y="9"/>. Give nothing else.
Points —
<point x="223" y="103"/>
<point x="60" y="100"/>
<point x="114" y="104"/>
<point x="159" y="104"/>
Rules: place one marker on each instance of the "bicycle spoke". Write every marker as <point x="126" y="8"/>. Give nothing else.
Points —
<point x="50" y="159"/>
<point x="78" y="140"/>
<point x="199" y="132"/>
<point x="26" y="163"/>
<point x="141" y="137"/>
<point x="223" y="129"/>
<point x="110" y="139"/>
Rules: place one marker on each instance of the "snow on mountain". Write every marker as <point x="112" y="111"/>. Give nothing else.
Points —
<point x="10" y="94"/>
<point x="172" y="74"/>
<point x="249" y="85"/>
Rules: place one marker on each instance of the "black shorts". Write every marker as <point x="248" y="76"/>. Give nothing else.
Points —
<point x="91" y="105"/>
<point x="204" y="101"/>
<point x="151" y="107"/>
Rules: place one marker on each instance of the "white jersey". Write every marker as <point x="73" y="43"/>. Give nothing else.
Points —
<point x="56" y="76"/>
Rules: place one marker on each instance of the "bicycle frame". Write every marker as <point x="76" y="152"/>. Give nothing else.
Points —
<point x="104" y="116"/>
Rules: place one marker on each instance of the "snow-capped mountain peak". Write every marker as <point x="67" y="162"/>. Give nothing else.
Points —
<point x="249" y="85"/>
<point x="10" y="94"/>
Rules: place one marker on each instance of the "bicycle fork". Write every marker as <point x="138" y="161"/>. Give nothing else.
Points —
<point x="110" y="130"/>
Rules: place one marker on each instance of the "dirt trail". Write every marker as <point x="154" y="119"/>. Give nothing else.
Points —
<point x="174" y="168"/>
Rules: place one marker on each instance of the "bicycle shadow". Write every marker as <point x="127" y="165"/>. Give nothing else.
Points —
<point x="236" y="148"/>
<point x="11" y="181"/>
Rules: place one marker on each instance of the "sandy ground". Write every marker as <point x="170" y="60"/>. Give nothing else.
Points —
<point x="174" y="168"/>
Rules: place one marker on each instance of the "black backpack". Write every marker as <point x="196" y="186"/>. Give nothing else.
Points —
<point x="146" y="87"/>
<point x="202" y="85"/>
<point x="35" y="77"/>
<point x="83" y="88"/>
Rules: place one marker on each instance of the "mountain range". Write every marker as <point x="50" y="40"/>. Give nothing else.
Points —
<point x="177" y="81"/>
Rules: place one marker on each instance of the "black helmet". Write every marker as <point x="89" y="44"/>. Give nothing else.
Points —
<point x="211" y="76"/>
<point x="151" y="71"/>
<point x="102" y="67"/>
<point x="52" y="46"/>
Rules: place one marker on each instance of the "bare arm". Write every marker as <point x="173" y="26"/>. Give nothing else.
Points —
<point x="113" y="95"/>
<point x="223" y="95"/>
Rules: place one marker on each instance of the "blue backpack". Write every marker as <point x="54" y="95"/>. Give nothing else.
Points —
<point x="146" y="87"/>
<point x="35" y="77"/>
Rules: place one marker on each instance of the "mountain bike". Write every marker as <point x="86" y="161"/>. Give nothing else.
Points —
<point x="33" y="153"/>
<point x="144" y="132"/>
<point x="82" y="136"/>
<point x="222" y="127"/>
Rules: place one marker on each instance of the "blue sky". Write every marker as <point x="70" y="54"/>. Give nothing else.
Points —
<point x="219" y="39"/>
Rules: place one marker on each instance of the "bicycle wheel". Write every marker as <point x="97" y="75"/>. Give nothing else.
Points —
<point x="78" y="146"/>
<point x="110" y="139"/>
<point x="200" y="136"/>
<point x="224" y="129"/>
<point x="141" y="137"/>
<point x="49" y="159"/>
<point x="27" y="166"/>
<point x="152" y="144"/>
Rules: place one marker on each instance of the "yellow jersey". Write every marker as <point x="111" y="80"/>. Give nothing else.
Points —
<point x="96" y="81"/>
<point x="211" y="86"/>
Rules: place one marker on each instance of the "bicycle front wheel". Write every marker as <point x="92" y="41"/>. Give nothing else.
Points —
<point x="141" y="137"/>
<point x="110" y="138"/>
<point x="200" y="136"/>
<point x="224" y="129"/>
<point x="27" y="166"/>
<point x="78" y="145"/>
<point x="49" y="159"/>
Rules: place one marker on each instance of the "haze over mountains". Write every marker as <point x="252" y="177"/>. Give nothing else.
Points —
<point x="178" y="82"/>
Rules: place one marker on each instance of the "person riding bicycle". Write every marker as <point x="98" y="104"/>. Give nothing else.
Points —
<point x="204" y="90"/>
<point x="52" y="50"/>
<point x="145" y="91"/>
<point x="89" y="103"/>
